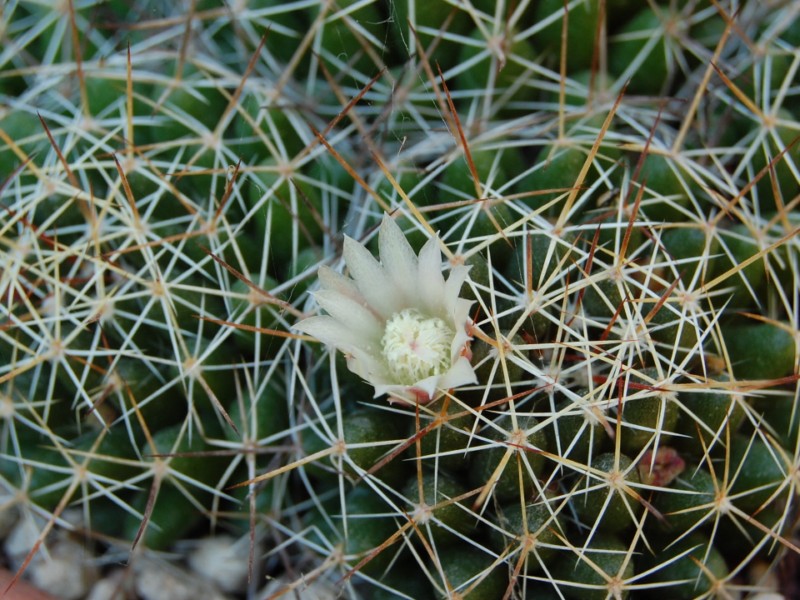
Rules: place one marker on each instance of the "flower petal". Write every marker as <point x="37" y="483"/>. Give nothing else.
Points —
<point x="459" y="313"/>
<point x="461" y="373"/>
<point x="430" y="281"/>
<point x="353" y="315"/>
<point x="460" y="340"/>
<point x="397" y="257"/>
<point x="404" y="394"/>
<point x="369" y="367"/>
<point x="371" y="279"/>
<point x="452" y="288"/>
<point x="429" y="385"/>
<point x="331" y="280"/>
<point x="331" y="332"/>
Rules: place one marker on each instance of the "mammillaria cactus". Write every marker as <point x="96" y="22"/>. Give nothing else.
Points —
<point x="598" y="385"/>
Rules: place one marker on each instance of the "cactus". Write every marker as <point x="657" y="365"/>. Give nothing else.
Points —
<point x="615" y="410"/>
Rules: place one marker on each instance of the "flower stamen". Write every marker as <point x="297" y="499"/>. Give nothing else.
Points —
<point x="416" y="347"/>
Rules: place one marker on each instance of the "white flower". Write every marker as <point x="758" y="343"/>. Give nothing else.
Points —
<point x="402" y="327"/>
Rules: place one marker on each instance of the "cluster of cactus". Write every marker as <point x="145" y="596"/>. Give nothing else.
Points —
<point x="622" y="180"/>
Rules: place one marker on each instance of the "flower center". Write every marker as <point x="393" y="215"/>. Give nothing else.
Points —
<point x="416" y="347"/>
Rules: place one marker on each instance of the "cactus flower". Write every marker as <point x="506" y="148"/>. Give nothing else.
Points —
<point x="402" y="327"/>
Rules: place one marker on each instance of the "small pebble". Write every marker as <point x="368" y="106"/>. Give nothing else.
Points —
<point x="66" y="572"/>
<point x="223" y="560"/>
<point x="162" y="581"/>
